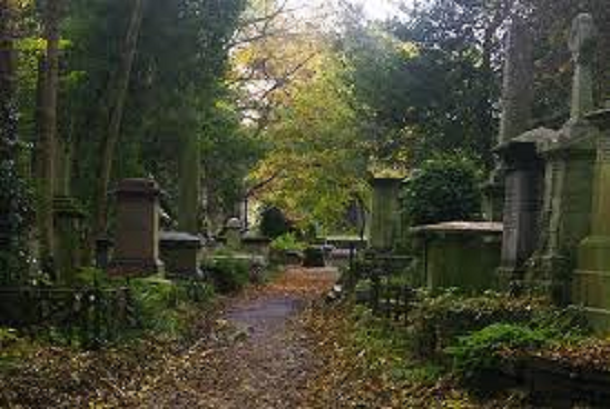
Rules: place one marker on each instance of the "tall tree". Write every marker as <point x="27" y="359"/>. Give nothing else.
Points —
<point x="118" y="91"/>
<point x="13" y="201"/>
<point x="48" y="130"/>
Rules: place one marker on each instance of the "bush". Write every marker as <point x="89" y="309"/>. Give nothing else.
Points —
<point x="437" y="321"/>
<point x="287" y="242"/>
<point x="445" y="189"/>
<point x="273" y="223"/>
<point x="160" y="303"/>
<point x="228" y="274"/>
<point x="479" y="353"/>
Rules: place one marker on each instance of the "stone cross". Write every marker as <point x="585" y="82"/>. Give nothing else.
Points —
<point x="582" y="45"/>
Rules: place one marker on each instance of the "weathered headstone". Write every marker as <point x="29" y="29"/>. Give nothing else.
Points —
<point x="385" y="213"/>
<point x="569" y="174"/>
<point x="136" y="250"/>
<point x="68" y="241"/>
<point x="233" y="234"/>
<point x="591" y="284"/>
<point x="524" y="172"/>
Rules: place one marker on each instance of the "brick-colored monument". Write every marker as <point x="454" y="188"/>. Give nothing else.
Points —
<point x="136" y="250"/>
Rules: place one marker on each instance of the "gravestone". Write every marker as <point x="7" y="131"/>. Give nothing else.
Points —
<point x="181" y="254"/>
<point x="68" y="229"/>
<point x="517" y="98"/>
<point x="524" y="173"/>
<point x="385" y="213"/>
<point x="233" y="234"/>
<point x="569" y="173"/>
<point x="591" y="284"/>
<point x="136" y="250"/>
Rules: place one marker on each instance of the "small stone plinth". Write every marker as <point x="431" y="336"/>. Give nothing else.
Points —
<point x="136" y="250"/>
<point x="460" y="254"/>
<point x="181" y="254"/>
<point x="256" y="245"/>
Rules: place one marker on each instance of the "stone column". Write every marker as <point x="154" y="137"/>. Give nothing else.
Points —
<point x="136" y="250"/>
<point x="385" y="213"/>
<point x="517" y="98"/>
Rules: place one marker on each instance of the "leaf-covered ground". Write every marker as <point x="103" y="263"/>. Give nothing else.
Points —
<point x="253" y="353"/>
<point x="276" y="346"/>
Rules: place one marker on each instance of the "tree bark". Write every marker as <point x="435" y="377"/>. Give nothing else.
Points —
<point x="7" y="68"/>
<point x="48" y="133"/>
<point x="117" y="103"/>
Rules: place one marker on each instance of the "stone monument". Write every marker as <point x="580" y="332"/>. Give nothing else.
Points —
<point x="136" y="249"/>
<point x="69" y="237"/>
<point x="591" y="283"/>
<point x="569" y="173"/>
<point x="385" y="213"/>
<point x="517" y="98"/>
<point x="233" y="234"/>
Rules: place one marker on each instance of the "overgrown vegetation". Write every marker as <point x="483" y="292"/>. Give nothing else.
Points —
<point x="443" y="189"/>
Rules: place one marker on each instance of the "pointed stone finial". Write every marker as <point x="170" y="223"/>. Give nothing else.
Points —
<point x="582" y="45"/>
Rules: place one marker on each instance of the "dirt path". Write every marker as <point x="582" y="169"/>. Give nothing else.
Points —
<point x="260" y="356"/>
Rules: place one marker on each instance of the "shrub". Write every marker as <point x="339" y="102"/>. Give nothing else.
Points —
<point x="273" y="222"/>
<point x="287" y="242"/>
<point x="160" y="303"/>
<point x="442" y="189"/>
<point x="478" y="354"/>
<point x="228" y="274"/>
<point x="438" y="320"/>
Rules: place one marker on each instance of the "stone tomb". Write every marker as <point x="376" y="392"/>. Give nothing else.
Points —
<point x="136" y="249"/>
<point x="181" y="254"/>
<point x="460" y="254"/>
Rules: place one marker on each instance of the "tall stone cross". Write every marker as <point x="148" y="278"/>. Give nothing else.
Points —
<point x="582" y="45"/>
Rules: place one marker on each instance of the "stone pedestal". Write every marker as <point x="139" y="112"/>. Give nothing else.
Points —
<point x="591" y="284"/>
<point x="68" y="217"/>
<point x="181" y="254"/>
<point x="385" y="213"/>
<point x="524" y="182"/>
<point x="233" y="234"/>
<point x="569" y="174"/>
<point x="136" y="250"/>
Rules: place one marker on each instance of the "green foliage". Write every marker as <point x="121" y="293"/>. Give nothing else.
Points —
<point x="443" y="189"/>
<point x="438" y="320"/>
<point x="273" y="222"/>
<point x="16" y="211"/>
<point x="160" y="303"/>
<point x="287" y="241"/>
<point x="228" y="274"/>
<point x="478" y="353"/>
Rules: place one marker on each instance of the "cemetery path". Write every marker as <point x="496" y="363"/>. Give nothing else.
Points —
<point x="260" y="354"/>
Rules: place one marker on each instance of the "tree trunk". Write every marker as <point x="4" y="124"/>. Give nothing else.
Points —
<point x="117" y="103"/>
<point x="48" y="133"/>
<point x="7" y="124"/>
<point x="190" y="185"/>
